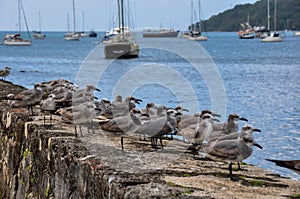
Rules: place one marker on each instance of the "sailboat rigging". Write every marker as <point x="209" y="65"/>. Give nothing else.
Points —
<point x="274" y="36"/>
<point x="16" y="39"/>
<point x="196" y="29"/>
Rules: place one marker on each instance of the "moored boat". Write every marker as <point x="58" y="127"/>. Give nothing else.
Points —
<point x="274" y="37"/>
<point x="39" y="34"/>
<point x="72" y="36"/>
<point x="121" y="45"/>
<point x="16" y="39"/>
<point x="196" y="28"/>
<point x="160" y="33"/>
<point x="93" y="34"/>
<point x="296" y="33"/>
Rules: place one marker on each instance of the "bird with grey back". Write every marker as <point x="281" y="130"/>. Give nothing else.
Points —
<point x="5" y="72"/>
<point x="31" y="97"/>
<point x="231" y="126"/>
<point x="197" y="133"/>
<point x="187" y="120"/>
<point x="230" y="151"/>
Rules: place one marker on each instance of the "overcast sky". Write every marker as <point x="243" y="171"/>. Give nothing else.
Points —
<point x="99" y="14"/>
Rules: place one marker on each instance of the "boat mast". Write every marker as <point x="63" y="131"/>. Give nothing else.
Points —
<point x="122" y="13"/>
<point x="82" y="21"/>
<point x="119" y="15"/>
<point x="40" y="29"/>
<point x="74" y="15"/>
<point x="26" y="24"/>
<point x="19" y="16"/>
<point x="268" y="17"/>
<point x="199" y="16"/>
<point x="68" y="18"/>
<point x="275" y="13"/>
<point x="192" y="10"/>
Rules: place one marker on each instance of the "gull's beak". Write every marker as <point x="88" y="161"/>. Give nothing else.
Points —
<point x="243" y="119"/>
<point x="257" y="130"/>
<point x="216" y="120"/>
<point x="186" y="110"/>
<point x="216" y="115"/>
<point x="257" y="145"/>
<point x="97" y="89"/>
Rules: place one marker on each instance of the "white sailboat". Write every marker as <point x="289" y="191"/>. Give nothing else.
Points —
<point x="121" y="45"/>
<point x="39" y="34"/>
<point x="273" y="37"/>
<point x="72" y="36"/>
<point x="16" y="39"/>
<point x="196" y="32"/>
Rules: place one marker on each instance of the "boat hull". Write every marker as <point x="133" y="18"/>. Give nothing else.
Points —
<point x="272" y="39"/>
<point x="297" y="34"/>
<point x="161" y="34"/>
<point x="18" y="43"/>
<point x="39" y="36"/>
<point x="198" y="38"/>
<point x="121" y="51"/>
<point x="71" y="37"/>
<point x="246" y="36"/>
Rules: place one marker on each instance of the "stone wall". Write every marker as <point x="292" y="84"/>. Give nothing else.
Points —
<point x="41" y="163"/>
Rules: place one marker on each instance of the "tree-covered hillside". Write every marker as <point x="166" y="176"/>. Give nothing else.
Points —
<point x="288" y="16"/>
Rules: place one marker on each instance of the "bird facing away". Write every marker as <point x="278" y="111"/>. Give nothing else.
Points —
<point x="4" y="73"/>
<point x="230" y="150"/>
<point x="197" y="133"/>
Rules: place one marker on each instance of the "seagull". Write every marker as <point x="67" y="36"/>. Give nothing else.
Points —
<point x="247" y="130"/>
<point x="156" y="128"/>
<point x="187" y="120"/>
<point x="198" y="133"/>
<point x="127" y="124"/>
<point x="31" y="97"/>
<point x="48" y="106"/>
<point x="123" y="123"/>
<point x="78" y="115"/>
<point x="86" y="91"/>
<point x="4" y="73"/>
<point x="204" y="128"/>
<point x="123" y="108"/>
<point x="231" y="126"/>
<point x="230" y="151"/>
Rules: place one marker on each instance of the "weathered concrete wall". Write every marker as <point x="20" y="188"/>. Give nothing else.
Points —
<point x="40" y="164"/>
<point x="37" y="163"/>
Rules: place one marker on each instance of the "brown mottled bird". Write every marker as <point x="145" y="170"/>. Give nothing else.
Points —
<point x="4" y="73"/>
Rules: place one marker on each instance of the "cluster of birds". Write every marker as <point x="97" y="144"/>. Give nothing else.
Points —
<point x="209" y="137"/>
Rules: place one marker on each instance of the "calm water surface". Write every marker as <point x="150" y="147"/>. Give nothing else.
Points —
<point x="261" y="80"/>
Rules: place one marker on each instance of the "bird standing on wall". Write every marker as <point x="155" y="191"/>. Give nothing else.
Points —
<point x="4" y="73"/>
